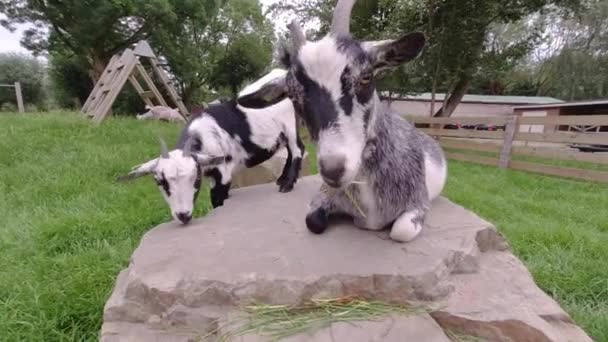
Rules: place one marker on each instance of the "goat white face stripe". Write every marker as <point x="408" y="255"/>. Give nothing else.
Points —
<point x="324" y="64"/>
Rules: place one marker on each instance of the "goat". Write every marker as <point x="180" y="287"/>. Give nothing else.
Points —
<point x="376" y="167"/>
<point x="161" y="113"/>
<point x="219" y="142"/>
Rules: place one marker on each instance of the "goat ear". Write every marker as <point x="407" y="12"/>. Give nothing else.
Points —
<point x="266" y="95"/>
<point x="140" y="170"/>
<point x="392" y="53"/>
<point x="209" y="160"/>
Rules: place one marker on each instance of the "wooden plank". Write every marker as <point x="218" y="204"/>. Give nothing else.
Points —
<point x="463" y="133"/>
<point x="564" y="137"/>
<point x="96" y="95"/>
<point x="507" y="145"/>
<point x="19" y="96"/>
<point x="464" y="120"/>
<point x="558" y="153"/>
<point x="472" y="158"/>
<point x="151" y="86"/>
<point x="591" y="120"/>
<point x="148" y="94"/>
<point x="169" y="87"/>
<point x="462" y="144"/>
<point x="588" y="175"/>
<point x="140" y="90"/>
<point x="130" y="60"/>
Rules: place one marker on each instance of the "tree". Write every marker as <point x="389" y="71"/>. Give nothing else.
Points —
<point x="577" y="68"/>
<point x="457" y="32"/>
<point x="505" y="47"/>
<point x="24" y="69"/>
<point x="91" y="30"/>
<point x="200" y="44"/>
<point x="69" y="78"/>
<point x="244" y="59"/>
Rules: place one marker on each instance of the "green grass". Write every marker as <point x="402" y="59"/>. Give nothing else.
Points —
<point x="558" y="227"/>
<point x="67" y="227"/>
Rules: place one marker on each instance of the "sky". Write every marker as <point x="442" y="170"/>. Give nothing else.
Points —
<point x="9" y="41"/>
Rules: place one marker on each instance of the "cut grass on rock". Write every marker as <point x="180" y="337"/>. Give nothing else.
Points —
<point x="280" y="321"/>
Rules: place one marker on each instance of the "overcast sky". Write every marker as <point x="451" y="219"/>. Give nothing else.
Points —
<point x="9" y="41"/>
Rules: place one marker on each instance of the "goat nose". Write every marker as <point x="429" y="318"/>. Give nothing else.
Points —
<point x="184" y="217"/>
<point x="332" y="170"/>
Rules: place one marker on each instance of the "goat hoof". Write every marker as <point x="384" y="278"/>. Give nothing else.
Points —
<point x="286" y="187"/>
<point x="281" y="180"/>
<point x="317" y="221"/>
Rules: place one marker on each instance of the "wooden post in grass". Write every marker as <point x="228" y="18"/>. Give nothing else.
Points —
<point x="18" y="94"/>
<point x="19" y="97"/>
<point x="507" y="145"/>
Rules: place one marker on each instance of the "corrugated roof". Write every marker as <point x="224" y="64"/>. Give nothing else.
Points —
<point x="486" y="98"/>
<point x="566" y="104"/>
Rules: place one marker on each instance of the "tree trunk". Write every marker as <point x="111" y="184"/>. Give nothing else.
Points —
<point x="98" y="65"/>
<point x="187" y="94"/>
<point x="456" y="96"/>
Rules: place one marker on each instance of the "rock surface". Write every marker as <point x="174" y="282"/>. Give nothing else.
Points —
<point x="182" y="281"/>
<point x="267" y="172"/>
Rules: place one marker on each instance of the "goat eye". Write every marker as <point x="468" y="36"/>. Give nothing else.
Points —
<point x="365" y="79"/>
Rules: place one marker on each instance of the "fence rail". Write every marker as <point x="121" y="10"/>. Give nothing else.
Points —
<point x="525" y="143"/>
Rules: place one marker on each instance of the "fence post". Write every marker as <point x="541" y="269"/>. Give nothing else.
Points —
<point x="507" y="145"/>
<point x="19" y="97"/>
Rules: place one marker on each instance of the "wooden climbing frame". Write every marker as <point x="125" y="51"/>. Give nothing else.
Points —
<point x="128" y="67"/>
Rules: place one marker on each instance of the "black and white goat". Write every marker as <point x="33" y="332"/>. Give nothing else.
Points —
<point x="376" y="167"/>
<point x="222" y="140"/>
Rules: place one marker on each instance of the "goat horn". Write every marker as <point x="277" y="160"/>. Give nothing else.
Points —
<point x="164" y="153"/>
<point x="340" y="23"/>
<point x="297" y="36"/>
<point x="188" y="147"/>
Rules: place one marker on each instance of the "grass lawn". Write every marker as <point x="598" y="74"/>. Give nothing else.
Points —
<point x="67" y="227"/>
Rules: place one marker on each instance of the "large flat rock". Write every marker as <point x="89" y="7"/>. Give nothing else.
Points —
<point x="183" y="280"/>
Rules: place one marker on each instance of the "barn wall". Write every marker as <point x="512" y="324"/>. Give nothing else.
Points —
<point x="423" y="108"/>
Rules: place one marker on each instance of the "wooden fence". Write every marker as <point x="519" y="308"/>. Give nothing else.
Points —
<point x="516" y="147"/>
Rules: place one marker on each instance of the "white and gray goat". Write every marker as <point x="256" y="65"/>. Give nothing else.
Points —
<point x="161" y="113"/>
<point x="376" y="167"/>
<point x="222" y="140"/>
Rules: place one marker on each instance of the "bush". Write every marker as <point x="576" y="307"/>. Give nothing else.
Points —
<point x="27" y="70"/>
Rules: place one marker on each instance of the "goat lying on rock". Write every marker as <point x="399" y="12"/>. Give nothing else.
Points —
<point x="219" y="142"/>
<point x="161" y="113"/>
<point x="376" y="167"/>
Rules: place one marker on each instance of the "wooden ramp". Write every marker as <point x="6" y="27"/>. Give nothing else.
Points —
<point x="128" y="67"/>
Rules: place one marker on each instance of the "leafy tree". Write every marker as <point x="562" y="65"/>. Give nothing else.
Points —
<point x="457" y="32"/>
<point x="24" y="69"/>
<point x="92" y="30"/>
<point x="245" y="58"/>
<point x="576" y="67"/>
<point x="214" y="44"/>
<point x="69" y="79"/>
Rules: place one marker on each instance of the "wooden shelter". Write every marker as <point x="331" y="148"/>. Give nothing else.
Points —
<point x="128" y="67"/>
